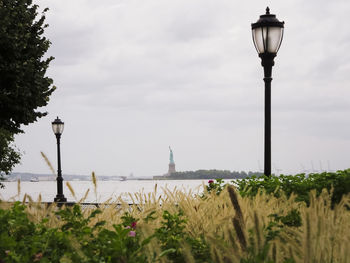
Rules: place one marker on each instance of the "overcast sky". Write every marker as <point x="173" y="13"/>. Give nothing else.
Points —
<point x="135" y="76"/>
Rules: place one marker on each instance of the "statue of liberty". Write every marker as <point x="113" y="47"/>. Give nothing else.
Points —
<point x="171" y="158"/>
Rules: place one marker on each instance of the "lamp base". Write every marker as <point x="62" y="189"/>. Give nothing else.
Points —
<point x="60" y="199"/>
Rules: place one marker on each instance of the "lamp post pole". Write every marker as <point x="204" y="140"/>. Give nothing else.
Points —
<point x="267" y="62"/>
<point x="57" y="126"/>
<point x="267" y="36"/>
<point x="59" y="197"/>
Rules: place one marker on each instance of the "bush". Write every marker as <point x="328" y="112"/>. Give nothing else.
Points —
<point x="172" y="237"/>
<point x="337" y="183"/>
<point x="74" y="241"/>
<point x="218" y="226"/>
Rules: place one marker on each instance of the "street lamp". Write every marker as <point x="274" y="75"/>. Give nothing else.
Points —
<point x="57" y="127"/>
<point x="267" y="36"/>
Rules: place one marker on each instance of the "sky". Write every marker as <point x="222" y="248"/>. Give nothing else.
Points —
<point x="134" y="77"/>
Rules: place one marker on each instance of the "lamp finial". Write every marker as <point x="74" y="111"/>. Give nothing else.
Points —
<point x="267" y="10"/>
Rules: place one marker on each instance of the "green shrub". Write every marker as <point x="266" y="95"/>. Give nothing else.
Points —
<point x="23" y="241"/>
<point x="300" y="184"/>
<point x="173" y="239"/>
<point x="215" y="186"/>
<point x="198" y="232"/>
<point x="75" y="241"/>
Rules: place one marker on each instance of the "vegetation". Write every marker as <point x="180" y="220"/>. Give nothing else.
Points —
<point x="337" y="184"/>
<point x="9" y="154"/>
<point x="211" y="174"/>
<point x="24" y="86"/>
<point x="219" y="225"/>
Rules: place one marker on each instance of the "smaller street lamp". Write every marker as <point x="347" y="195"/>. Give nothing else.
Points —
<point x="57" y="127"/>
<point x="267" y="36"/>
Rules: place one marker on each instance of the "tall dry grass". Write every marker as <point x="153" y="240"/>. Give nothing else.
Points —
<point x="233" y="226"/>
<point x="48" y="163"/>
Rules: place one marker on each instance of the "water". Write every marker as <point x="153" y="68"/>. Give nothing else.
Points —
<point x="105" y="189"/>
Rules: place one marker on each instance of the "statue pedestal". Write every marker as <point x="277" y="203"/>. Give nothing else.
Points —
<point x="171" y="168"/>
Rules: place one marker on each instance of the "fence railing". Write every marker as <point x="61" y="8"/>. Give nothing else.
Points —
<point x="86" y="205"/>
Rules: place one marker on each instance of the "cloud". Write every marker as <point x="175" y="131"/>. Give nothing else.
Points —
<point x="136" y="76"/>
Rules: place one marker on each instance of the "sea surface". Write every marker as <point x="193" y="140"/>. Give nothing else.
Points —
<point x="104" y="190"/>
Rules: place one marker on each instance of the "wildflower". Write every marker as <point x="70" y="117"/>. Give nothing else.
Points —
<point x="7" y="252"/>
<point x="132" y="233"/>
<point x="210" y="181"/>
<point x="133" y="225"/>
<point x="38" y="257"/>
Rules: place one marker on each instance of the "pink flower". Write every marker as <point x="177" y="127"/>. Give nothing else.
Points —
<point x="132" y="233"/>
<point x="210" y="181"/>
<point x="38" y="257"/>
<point x="133" y="224"/>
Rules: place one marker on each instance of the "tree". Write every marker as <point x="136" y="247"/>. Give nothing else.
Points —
<point x="23" y="84"/>
<point x="9" y="154"/>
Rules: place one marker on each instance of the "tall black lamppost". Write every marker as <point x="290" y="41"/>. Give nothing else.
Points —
<point x="267" y="36"/>
<point x="57" y="127"/>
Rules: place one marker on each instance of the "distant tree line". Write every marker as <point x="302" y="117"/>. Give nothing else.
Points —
<point x="212" y="174"/>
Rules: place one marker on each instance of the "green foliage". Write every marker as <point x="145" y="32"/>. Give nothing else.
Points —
<point x="122" y="244"/>
<point x="81" y="237"/>
<point x="170" y="235"/>
<point x="75" y="241"/>
<point x="15" y="229"/>
<point x="292" y="219"/>
<point x="215" y="186"/>
<point x="300" y="184"/>
<point x="129" y="221"/>
<point x="84" y="237"/>
<point x="118" y="246"/>
<point x="262" y="257"/>
<point x="273" y="229"/>
<point x="24" y="241"/>
<point x="258" y="254"/>
<point x="9" y="154"/>
<point x="173" y="238"/>
<point x="23" y="84"/>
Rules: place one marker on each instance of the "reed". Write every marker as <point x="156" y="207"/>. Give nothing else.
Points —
<point x="94" y="182"/>
<point x="18" y="188"/>
<point x="85" y="196"/>
<point x="47" y="161"/>
<point x="225" y="220"/>
<point x="257" y="230"/>
<point x="235" y="202"/>
<point x="71" y="190"/>
<point x="24" y="198"/>
<point x="240" y="233"/>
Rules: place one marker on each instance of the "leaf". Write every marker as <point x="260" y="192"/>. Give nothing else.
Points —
<point x="100" y="223"/>
<point x="150" y="217"/>
<point x="166" y="252"/>
<point x="94" y="213"/>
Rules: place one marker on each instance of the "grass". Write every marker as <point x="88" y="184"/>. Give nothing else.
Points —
<point x="235" y="228"/>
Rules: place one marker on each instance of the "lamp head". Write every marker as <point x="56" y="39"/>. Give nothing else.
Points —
<point x="57" y="126"/>
<point x="267" y="34"/>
